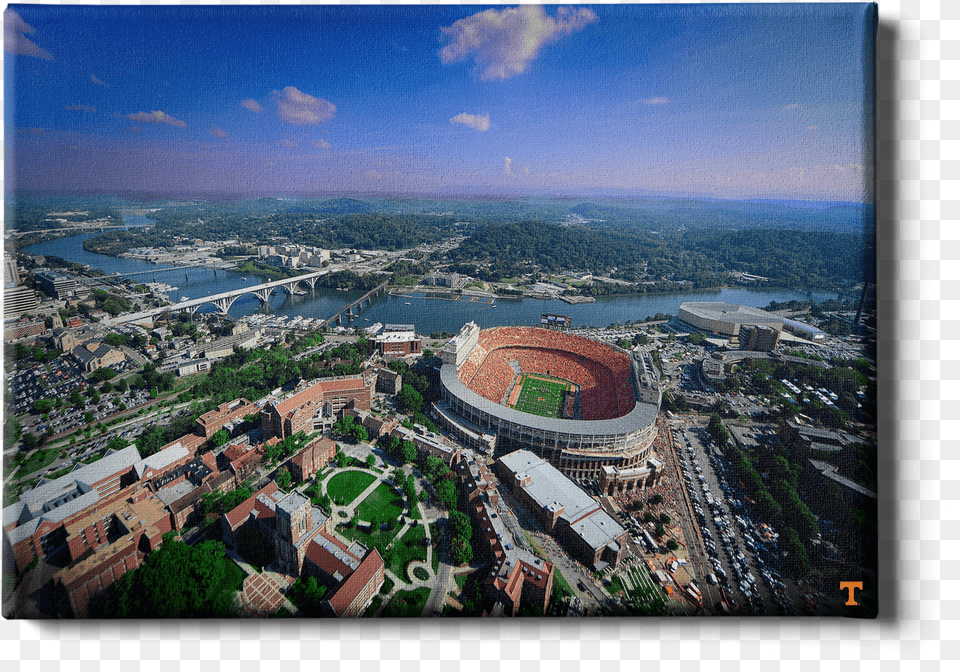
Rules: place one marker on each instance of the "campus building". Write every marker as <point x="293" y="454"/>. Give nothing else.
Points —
<point x="396" y="340"/>
<point x="57" y="285"/>
<point x="303" y="542"/>
<point x="300" y="411"/>
<point x="225" y="415"/>
<point x="18" y="301"/>
<point x="588" y="532"/>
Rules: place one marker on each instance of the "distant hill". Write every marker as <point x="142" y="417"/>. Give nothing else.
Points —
<point x="672" y="214"/>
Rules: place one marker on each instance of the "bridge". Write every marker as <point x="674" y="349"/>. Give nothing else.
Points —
<point x="358" y="304"/>
<point x="165" y="269"/>
<point x="224" y="300"/>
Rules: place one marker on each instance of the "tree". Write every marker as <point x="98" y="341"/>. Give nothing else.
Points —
<point x="29" y="441"/>
<point x="371" y="460"/>
<point x="88" y="417"/>
<point x="284" y="477"/>
<point x="446" y="492"/>
<point x="410" y="400"/>
<point x="220" y="437"/>
<point x="660" y="531"/>
<point x="43" y="405"/>
<point x="103" y="374"/>
<point x="461" y="550"/>
<point x="175" y="581"/>
<point x="122" y="386"/>
<point x="665" y="519"/>
<point x="460" y="525"/>
<point x="672" y="545"/>
<point x="656" y="500"/>
<point x="408" y="452"/>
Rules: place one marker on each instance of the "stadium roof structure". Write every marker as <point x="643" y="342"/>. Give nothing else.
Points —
<point x="726" y="317"/>
<point x="641" y="416"/>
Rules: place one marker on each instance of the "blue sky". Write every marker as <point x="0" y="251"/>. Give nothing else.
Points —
<point x="579" y="100"/>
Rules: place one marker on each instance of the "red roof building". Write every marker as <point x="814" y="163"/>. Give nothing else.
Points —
<point x="296" y="413"/>
<point x="314" y="457"/>
<point x="208" y="423"/>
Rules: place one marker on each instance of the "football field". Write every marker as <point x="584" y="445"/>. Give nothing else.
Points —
<point x="541" y="396"/>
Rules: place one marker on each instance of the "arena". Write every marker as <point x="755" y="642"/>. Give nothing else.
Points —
<point x="726" y="318"/>
<point x="607" y="416"/>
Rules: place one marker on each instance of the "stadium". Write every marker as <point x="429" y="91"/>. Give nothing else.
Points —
<point x="579" y="403"/>
<point x="726" y="318"/>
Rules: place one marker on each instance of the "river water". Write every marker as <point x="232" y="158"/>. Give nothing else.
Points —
<point x="429" y="315"/>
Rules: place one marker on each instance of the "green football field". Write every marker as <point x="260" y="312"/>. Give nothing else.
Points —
<point x="541" y="397"/>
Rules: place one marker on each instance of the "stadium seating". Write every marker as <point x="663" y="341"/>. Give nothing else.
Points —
<point x="601" y="371"/>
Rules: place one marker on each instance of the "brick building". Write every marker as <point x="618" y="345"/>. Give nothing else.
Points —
<point x="588" y="532"/>
<point x="397" y="340"/>
<point x="296" y="413"/>
<point x="516" y="577"/>
<point x="314" y="457"/>
<point x="224" y="414"/>
<point x="23" y="328"/>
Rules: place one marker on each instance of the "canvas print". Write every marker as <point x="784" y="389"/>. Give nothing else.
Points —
<point x="447" y="311"/>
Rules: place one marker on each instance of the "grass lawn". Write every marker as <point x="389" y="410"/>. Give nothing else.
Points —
<point x="541" y="396"/>
<point x="461" y="580"/>
<point x="561" y="583"/>
<point x="378" y="540"/>
<point x="347" y="486"/>
<point x="39" y="460"/>
<point x="384" y="503"/>
<point x="408" y="603"/>
<point x="421" y="574"/>
<point x="412" y="546"/>
<point x="616" y="586"/>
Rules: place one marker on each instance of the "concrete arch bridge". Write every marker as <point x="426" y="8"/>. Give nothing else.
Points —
<point x="224" y="300"/>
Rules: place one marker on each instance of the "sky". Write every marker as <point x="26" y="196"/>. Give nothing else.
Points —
<point x="729" y="102"/>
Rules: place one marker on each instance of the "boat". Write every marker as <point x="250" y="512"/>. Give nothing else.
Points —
<point x="244" y="279"/>
<point x="406" y="303"/>
<point x="184" y="298"/>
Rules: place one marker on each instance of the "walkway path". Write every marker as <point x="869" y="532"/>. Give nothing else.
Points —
<point x="264" y="594"/>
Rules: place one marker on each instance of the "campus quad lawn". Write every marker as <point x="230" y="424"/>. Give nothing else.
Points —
<point x="348" y="485"/>
<point x="541" y="397"/>
<point x="411" y="546"/>
<point x="385" y="504"/>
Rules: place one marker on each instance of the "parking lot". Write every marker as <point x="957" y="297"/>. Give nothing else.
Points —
<point x="743" y="552"/>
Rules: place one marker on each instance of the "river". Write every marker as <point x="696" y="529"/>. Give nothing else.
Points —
<point x="428" y="315"/>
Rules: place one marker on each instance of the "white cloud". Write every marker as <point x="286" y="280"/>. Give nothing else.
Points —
<point x="506" y="165"/>
<point x="97" y="80"/>
<point x="296" y="107"/>
<point x="80" y="108"/>
<point x="477" y="122"/>
<point x="322" y="144"/>
<point x="15" y="41"/>
<point x="252" y="105"/>
<point x="219" y="133"/>
<point x="504" y="42"/>
<point x="156" y="117"/>
<point x="791" y="106"/>
<point x="657" y="100"/>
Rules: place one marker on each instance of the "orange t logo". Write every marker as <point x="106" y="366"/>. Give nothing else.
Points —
<point x="851" y="586"/>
